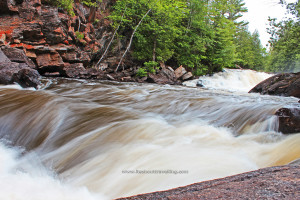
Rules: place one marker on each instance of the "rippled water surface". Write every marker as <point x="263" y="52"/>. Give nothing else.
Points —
<point x="76" y="139"/>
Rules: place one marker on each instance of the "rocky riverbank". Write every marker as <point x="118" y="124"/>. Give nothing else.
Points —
<point x="269" y="183"/>
<point x="284" y="84"/>
<point x="57" y="44"/>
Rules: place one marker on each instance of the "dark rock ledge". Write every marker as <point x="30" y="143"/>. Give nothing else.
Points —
<point x="50" y="41"/>
<point x="19" y="71"/>
<point x="289" y="120"/>
<point x="269" y="183"/>
<point x="285" y="84"/>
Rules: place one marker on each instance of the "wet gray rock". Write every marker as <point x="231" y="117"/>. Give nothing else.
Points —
<point x="18" y="55"/>
<point x="285" y="84"/>
<point x="20" y="73"/>
<point x="73" y="70"/>
<point x="27" y="77"/>
<point x="3" y="57"/>
<point x="289" y="120"/>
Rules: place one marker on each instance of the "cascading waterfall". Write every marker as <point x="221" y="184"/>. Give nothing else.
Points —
<point x="231" y="79"/>
<point x="77" y="139"/>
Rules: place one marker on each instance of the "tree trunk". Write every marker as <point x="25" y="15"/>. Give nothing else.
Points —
<point x="128" y="47"/>
<point x="98" y="63"/>
<point x="154" y="51"/>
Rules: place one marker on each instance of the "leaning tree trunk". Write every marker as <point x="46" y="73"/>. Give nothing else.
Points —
<point x="128" y="47"/>
<point x="98" y="63"/>
<point x="154" y="51"/>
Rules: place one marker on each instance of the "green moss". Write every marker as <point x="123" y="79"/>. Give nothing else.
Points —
<point x="79" y="35"/>
<point x="141" y="72"/>
<point x="91" y="3"/>
<point x="68" y="5"/>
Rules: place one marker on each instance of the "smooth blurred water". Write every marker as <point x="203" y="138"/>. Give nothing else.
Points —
<point x="77" y="139"/>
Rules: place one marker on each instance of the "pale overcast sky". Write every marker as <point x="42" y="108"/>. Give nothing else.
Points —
<point x="258" y="12"/>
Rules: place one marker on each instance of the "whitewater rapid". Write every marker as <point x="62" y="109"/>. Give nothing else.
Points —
<point x="78" y="139"/>
<point x="236" y="80"/>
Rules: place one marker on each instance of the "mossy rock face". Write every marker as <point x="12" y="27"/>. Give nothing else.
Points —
<point x="286" y="84"/>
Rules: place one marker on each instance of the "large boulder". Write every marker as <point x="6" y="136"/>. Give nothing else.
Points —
<point x="289" y="120"/>
<point x="73" y="70"/>
<point x="27" y="77"/>
<point x="160" y="78"/>
<point x="29" y="33"/>
<point x="49" y="62"/>
<point x="7" y="6"/>
<point x="18" y="55"/>
<point x="7" y="70"/>
<point x="3" y="57"/>
<point x="286" y="84"/>
<point x="20" y="73"/>
<point x="180" y="71"/>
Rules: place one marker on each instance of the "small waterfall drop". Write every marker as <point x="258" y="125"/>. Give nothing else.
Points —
<point x="231" y="80"/>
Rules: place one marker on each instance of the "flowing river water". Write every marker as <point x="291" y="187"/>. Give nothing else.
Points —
<point x="78" y="139"/>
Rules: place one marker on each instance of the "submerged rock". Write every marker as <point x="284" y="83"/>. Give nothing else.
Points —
<point x="287" y="84"/>
<point x="289" y="120"/>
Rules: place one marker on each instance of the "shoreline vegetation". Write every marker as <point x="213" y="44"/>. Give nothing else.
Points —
<point x="164" y="42"/>
<point x="138" y="41"/>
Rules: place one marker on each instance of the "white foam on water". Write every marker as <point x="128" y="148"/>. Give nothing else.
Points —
<point x="96" y="138"/>
<point x="204" y="151"/>
<point x="231" y="80"/>
<point x="16" y="86"/>
<point x="16" y="183"/>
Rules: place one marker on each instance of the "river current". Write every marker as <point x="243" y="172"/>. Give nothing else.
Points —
<point x="79" y="139"/>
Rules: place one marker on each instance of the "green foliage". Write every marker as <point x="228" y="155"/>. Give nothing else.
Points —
<point x="154" y="39"/>
<point x="141" y="72"/>
<point x="285" y="50"/>
<point x="200" y="71"/>
<point x="64" y="4"/>
<point x="250" y="53"/>
<point x="79" y="35"/>
<point x="68" y="4"/>
<point x="96" y="21"/>
<point x="91" y="3"/>
<point x="151" y="66"/>
<point x="201" y="35"/>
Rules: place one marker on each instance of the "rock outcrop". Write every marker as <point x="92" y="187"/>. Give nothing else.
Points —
<point x="287" y="84"/>
<point x="46" y="38"/>
<point x="19" y="72"/>
<point x="269" y="183"/>
<point x="289" y="120"/>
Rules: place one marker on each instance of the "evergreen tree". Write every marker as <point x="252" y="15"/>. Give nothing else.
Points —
<point x="250" y="53"/>
<point x="285" y="40"/>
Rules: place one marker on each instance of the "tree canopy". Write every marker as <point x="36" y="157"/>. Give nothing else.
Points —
<point x="199" y="34"/>
<point x="285" y="40"/>
<point x="203" y="35"/>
